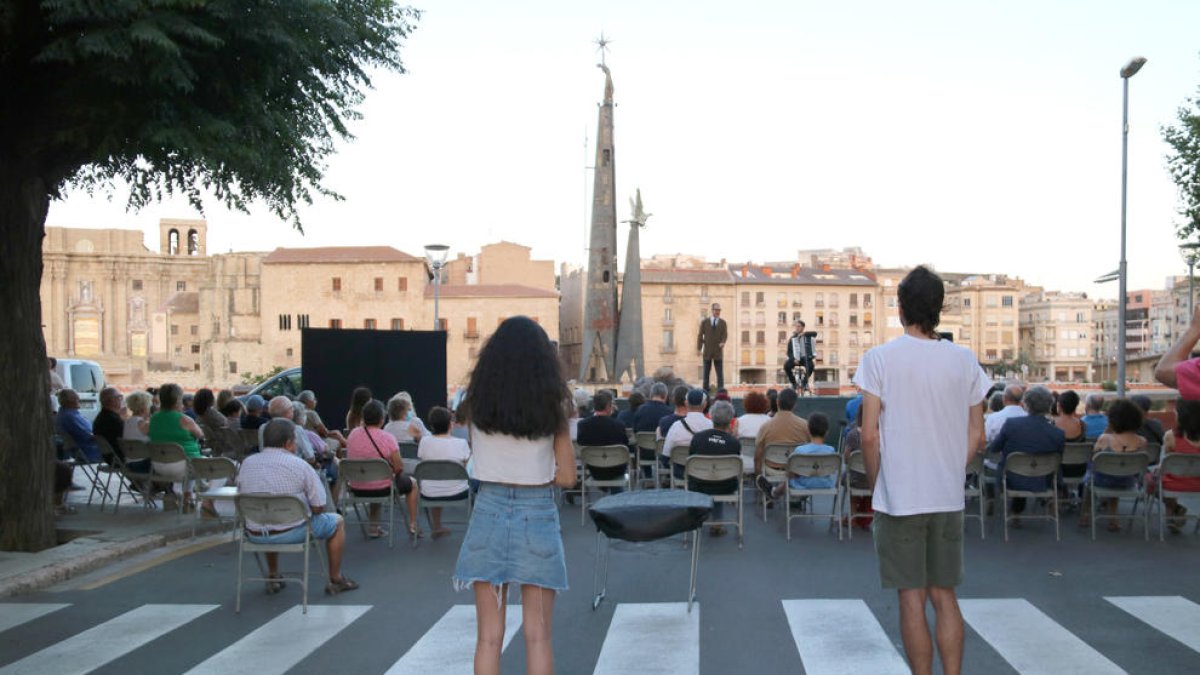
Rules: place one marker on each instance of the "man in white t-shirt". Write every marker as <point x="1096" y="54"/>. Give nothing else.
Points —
<point x="682" y="430"/>
<point x="922" y="417"/>
<point x="1012" y="408"/>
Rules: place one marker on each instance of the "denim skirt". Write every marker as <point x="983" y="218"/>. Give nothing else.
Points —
<point x="513" y="538"/>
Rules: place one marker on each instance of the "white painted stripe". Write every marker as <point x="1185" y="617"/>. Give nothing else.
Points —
<point x="448" y="647"/>
<point x="109" y="641"/>
<point x="13" y="615"/>
<point x="282" y="642"/>
<point x="841" y="636"/>
<point x="1032" y="642"/>
<point x="672" y="635"/>
<point x="1174" y="615"/>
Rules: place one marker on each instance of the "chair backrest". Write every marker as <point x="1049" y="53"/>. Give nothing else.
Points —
<point x="600" y="456"/>
<point x="166" y="453"/>
<point x="249" y="439"/>
<point x="1075" y="454"/>
<point x="134" y="449"/>
<point x="748" y="446"/>
<point x="268" y="509"/>
<point x="1181" y="464"/>
<point x="714" y="467"/>
<point x="1032" y="464"/>
<point x="364" y="470"/>
<point x="645" y="439"/>
<point x="408" y="450"/>
<point x="974" y="463"/>
<point x="439" y="469"/>
<point x="223" y="440"/>
<point x="106" y="449"/>
<point x="855" y="462"/>
<point x="777" y="453"/>
<point x="1120" y="463"/>
<point x="212" y="468"/>
<point x="815" y="465"/>
<point x="679" y="454"/>
<point x="1153" y="452"/>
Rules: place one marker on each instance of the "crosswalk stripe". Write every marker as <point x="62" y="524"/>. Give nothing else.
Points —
<point x="108" y="641"/>
<point x="282" y="642"/>
<point x="448" y="647"/>
<point x="1174" y="615"/>
<point x="13" y="615"/>
<point x="841" y="636"/>
<point x="1032" y="642"/>
<point x="673" y="632"/>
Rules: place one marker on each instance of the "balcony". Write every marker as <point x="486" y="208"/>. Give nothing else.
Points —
<point x="666" y="349"/>
<point x="668" y="299"/>
<point x="470" y="335"/>
<point x="668" y="322"/>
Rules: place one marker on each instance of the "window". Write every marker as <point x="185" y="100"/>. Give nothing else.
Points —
<point x="966" y="303"/>
<point x="820" y="301"/>
<point x="666" y="293"/>
<point x="783" y="337"/>
<point x="402" y="284"/>
<point x="745" y="297"/>
<point x="195" y="349"/>
<point x="472" y="327"/>
<point x="302" y="321"/>
<point x="233" y="367"/>
<point x="796" y="317"/>
<point x="783" y="318"/>
<point x="668" y="340"/>
<point x="285" y="322"/>
<point x="745" y="318"/>
<point x="704" y="294"/>
<point x="833" y="318"/>
<point x="369" y="324"/>
<point x="853" y="319"/>
<point x="866" y="301"/>
<point x="174" y="329"/>
<point x="853" y="339"/>
<point x="760" y="337"/>
<point x="1006" y="301"/>
<point x="668" y="316"/>
<point x="335" y="323"/>
<point x="781" y="300"/>
<point x="866" y="319"/>
<point x="136" y="284"/>
<point x="290" y="351"/>
<point x="337" y="284"/>
<point x="397" y="324"/>
<point x="181" y="286"/>
<point x="195" y="330"/>
<point x="760" y="299"/>
<point x="745" y="337"/>
<point x="760" y="357"/>
<point x="854" y="299"/>
<point x="820" y="318"/>
<point x="833" y="357"/>
<point x="378" y="284"/>
<point x="760" y="319"/>
<point x="444" y="324"/>
<point x="833" y="299"/>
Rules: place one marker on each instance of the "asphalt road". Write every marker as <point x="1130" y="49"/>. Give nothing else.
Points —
<point x="1033" y="604"/>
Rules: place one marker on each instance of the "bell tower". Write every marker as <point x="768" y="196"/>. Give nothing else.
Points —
<point x="180" y="237"/>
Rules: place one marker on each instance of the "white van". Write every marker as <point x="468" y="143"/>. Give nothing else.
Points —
<point x="87" y="379"/>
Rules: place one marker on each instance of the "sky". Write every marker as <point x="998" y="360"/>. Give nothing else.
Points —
<point x="980" y="136"/>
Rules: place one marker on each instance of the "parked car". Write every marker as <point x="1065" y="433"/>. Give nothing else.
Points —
<point x="87" y="379"/>
<point x="286" y="383"/>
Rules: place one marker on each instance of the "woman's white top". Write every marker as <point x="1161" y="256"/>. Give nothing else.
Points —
<point x="750" y="423"/>
<point x="443" y="448"/>
<point x="132" y="432"/>
<point x="499" y="458"/>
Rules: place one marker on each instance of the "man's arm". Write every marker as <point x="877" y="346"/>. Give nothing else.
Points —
<point x="1164" y="372"/>
<point x="700" y="338"/>
<point x="975" y="440"/>
<point x="871" y="406"/>
<point x="759" y="450"/>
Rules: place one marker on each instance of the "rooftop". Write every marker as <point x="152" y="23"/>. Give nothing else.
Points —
<point x="490" y="291"/>
<point x="339" y="254"/>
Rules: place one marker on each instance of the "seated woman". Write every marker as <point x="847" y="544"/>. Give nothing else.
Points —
<point x="1184" y="438"/>
<point x="858" y="479"/>
<point x="137" y="426"/>
<point x="441" y="445"/>
<point x="170" y="425"/>
<point x="1066" y="418"/>
<point x="233" y="411"/>
<point x="370" y="441"/>
<point x="756" y="408"/>
<point x="1124" y="420"/>
<point x="402" y="424"/>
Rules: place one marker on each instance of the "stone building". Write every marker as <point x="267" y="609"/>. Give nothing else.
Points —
<point x="675" y="300"/>
<point x="986" y="307"/>
<point x="1057" y="334"/>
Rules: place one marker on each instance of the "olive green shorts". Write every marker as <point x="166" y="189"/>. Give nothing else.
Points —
<point x="921" y="550"/>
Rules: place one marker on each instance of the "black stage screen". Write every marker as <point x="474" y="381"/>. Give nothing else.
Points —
<point x="385" y="361"/>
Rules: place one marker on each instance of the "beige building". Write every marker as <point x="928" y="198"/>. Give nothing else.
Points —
<point x="1057" y="334"/>
<point x="674" y="302"/>
<point x="986" y="307"/>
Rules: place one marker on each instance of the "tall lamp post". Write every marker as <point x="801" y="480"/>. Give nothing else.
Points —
<point x="1127" y="72"/>
<point x="436" y="254"/>
<point x="1191" y="255"/>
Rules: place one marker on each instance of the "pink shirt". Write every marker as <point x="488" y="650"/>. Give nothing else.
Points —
<point x="359" y="446"/>
<point x="1187" y="379"/>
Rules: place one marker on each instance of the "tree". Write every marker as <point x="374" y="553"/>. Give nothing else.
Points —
<point x="1184" y="166"/>
<point x="243" y="99"/>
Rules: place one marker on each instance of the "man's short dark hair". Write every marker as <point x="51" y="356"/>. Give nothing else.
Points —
<point x="921" y="295"/>
<point x="601" y="400"/>
<point x="278" y="432"/>
<point x="679" y="396"/>
<point x="439" y="420"/>
<point x="787" y="399"/>
<point x="658" y="390"/>
<point x="818" y="424"/>
<point x="373" y="413"/>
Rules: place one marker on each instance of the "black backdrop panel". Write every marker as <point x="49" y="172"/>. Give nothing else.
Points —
<point x="336" y="361"/>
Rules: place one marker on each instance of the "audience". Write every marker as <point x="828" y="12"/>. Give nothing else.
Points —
<point x="276" y="470"/>
<point x="785" y="428"/>
<point x="137" y="425"/>
<point x="679" y="400"/>
<point x="1066" y="419"/>
<point x="647" y="416"/>
<point x="756" y="408"/>
<point x="72" y="425"/>
<point x="406" y="428"/>
<point x="683" y="429"/>
<point x="370" y="441"/>
<point x="204" y="404"/>
<point x="603" y="429"/>
<point x="1012" y="408"/>
<point x="313" y="421"/>
<point x="773" y="399"/>
<point x="1124" y="421"/>
<point x="109" y="424"/>
<point x="254" y="417"/>
<point x="234" y="411"/>
<point x="1094" y="420"/>
<point x="818" y="429"/>
<point x="359" y="398"/>
<point x="715" y="441"/>
<point x="1185" y="439"/>
<point x="1032" y="433"/>
<point x="636" y="400"/>
<point x="858" y="479"/>
<point x="170" y="425"/>
<point x="1151" y="429"/>
<point x="440" y="445"/>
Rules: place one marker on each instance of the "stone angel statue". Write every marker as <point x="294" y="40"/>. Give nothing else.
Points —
<point x="639" y="212"/>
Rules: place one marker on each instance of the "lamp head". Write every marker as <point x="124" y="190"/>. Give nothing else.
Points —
<point x="1135" y="64"/>
<point x="436" y="254"/>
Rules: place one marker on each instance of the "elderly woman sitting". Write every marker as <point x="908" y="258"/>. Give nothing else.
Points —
<point x="370" y="441"/>
<point x="1034" y="433"/>
<point x="170" y="425"/>
<point x="405" y="426"/>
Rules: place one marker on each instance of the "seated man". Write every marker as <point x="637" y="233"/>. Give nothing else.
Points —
<point x="253" y="419"/>
<point x="818" y="427"/>
<point x="108" y="423"/>
<point x="70" y="423"/>
<point x="277" y="470"/>
<point x="716" y="441"/>
<point x="1033" y="433"/>
<point x="649" y="413"/>
<point x="682" y="430"/>
<point x="603" y="429"/>
<point x="785" y="428"/>
<point x="1095" y="422"/>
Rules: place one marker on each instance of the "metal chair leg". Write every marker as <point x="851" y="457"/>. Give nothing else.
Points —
<point x="695" y="564"/>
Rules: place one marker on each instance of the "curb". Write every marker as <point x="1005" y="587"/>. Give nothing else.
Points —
<point x="93" y="559"/>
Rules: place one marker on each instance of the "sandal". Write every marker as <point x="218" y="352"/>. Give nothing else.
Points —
<point x="415" y="532"/>
<point x="210" y="511"/>
<point x="275" y="585"/>
<point x="343" y="584"/>
<point x="439" y="533"/>
<point x="377" y="533"/>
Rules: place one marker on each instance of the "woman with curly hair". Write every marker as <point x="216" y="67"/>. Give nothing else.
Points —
<point x="517" y="407"/>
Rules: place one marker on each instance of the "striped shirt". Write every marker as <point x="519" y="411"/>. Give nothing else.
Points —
<point x="279" y="472"/>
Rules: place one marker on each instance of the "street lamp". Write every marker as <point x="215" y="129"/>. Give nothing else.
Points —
<point x="436" y="254"/>
<point x="1127" y="72"/>
<point x="1191" y="255"/>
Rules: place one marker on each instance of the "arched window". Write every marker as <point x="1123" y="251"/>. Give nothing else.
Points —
<point x="173" y="242"/>
<point x="193" y="242"/>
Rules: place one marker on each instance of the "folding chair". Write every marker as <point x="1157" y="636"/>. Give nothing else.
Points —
<point x="776" y="453"/>
<point x="269" y="510"/>
<point x="90" y="469"/>
<point x="109" y="465"/>
<point x="440" y="469"/>
<point x="213" y="469"/>
<point x="1032" y="465"/>
<point x="169" y="453"/>
<point x="1077" y="456"/>
<point x="1131" y="465"/>
<point x="224" y="442"/>
<point x="248" y="439"/>
<point x="578" y="489"/>
<point x="601" y="457"/>
<point x="813" y="466"/>
<point x="854" y="464"/>
<point x="713" y="468"/>
<point x="1183" y="466"/>
<point x="679" y="457"/>
<point x="363" y="471"/>
<point x="974" y="488"/>
<point x="135" y="451"/>
<point x="747" y="453"/>
<point x="408" y="450"/>
<point x="648" y="450"/>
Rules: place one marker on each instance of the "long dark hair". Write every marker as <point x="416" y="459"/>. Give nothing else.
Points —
<point x="358" y="399"/>
<point x="517" y="387"/>
<point x="1187" y="419"/>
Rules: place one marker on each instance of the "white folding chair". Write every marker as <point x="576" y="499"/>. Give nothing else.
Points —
<point x="135" y="451"/>
<point x="1032" y="465"/>
<point x="1183" y="466"/>
<point x="747" y="453"/>
<point x="720" y="468"/>
<point x="648" y="450"/>
<point x="269" y="510"/>
<point x="775" y="453"/>
<point x="974" y="487"/>
<point x="679" y="457"/>
<point x="108" y="466"/>
<point x="170" y="453"/>
<point x="1076" y="456"/>
<point x="364" y="471"/>
<point x="813" y="466"/>
<point x="213" y="469"/>
<point x="854" y="464"/>
<point x="91" y="470"/>
<point x="602" y="457"/>
<point x="440" y="469"/>
<point x="1128" y="465"/>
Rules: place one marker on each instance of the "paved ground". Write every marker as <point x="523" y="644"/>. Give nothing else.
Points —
<point x="813" y="605"/>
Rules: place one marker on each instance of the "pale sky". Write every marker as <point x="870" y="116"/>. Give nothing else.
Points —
<point x="978" y="136"/>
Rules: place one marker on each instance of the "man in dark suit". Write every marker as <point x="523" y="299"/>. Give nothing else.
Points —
<point x="711" y="345"/>
<point x="1034" y="433"/>
<point x="649" y="413"/>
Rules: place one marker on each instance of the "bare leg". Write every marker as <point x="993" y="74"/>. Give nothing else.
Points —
<point x="435" y="517"/>
<point x="489" y="623"/>
<point x="410" y="500"/>
<point x="373" y="518"/>
<point x="334" y="548"/>
<point x="914" y="631"/>
<point x="537" y="603"/>
<point x="272" y="564"/>
<point x="949" y="629"/>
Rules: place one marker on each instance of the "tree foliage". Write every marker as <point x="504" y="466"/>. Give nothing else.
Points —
<point x="1184" y="165"/>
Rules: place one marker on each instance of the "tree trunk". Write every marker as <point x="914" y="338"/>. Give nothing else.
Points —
<point x="26" y="451"/>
